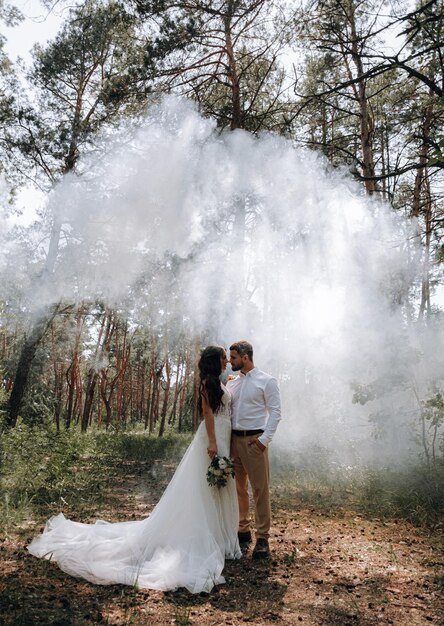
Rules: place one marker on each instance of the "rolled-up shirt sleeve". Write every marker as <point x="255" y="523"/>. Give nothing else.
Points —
<point x="272" y="399"/>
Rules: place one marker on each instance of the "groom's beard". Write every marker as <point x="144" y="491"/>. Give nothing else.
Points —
<point x="236" y="368"/>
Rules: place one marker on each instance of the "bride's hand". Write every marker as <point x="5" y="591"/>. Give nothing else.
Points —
<point x="212" y="449"/>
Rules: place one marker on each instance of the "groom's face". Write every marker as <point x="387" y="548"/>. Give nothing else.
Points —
<point x="236" y="360"/>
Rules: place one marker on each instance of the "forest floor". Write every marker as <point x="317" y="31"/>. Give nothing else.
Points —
<point x="329" y="565"/>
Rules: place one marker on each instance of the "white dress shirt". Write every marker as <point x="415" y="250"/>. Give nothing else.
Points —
<point x="255" y="403"/>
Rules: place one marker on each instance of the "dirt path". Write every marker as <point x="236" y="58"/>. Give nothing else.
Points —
<point x="328" y="567"/>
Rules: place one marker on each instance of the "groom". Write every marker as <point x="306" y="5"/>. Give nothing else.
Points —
<point x="256" y="411"/>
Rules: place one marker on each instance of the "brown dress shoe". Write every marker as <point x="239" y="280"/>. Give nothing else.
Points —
<point x="244" y="537"/>
<point x="261" y="549"/>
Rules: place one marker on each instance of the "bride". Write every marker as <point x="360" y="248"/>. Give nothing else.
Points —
<point x="190" y="532"/>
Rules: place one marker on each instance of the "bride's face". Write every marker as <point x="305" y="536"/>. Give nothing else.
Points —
<point x="223" y="362"/>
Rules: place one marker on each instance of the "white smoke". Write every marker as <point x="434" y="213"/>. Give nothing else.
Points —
<point x="315" y="275"/>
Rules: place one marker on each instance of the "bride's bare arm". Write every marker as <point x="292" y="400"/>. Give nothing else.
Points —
<point x="209" y="425"/>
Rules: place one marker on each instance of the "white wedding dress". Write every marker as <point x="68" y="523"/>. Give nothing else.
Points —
<point x="183" y="543"/>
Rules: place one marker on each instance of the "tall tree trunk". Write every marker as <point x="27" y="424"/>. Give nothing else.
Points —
<point x="58" y="394"/>
<point x="183" y="393"/>
<point x="93" y="374"/>
<point x="177" y="387"/>
<point x="422" y="204"/>
<point x="166" y="396"/>
<point x="366" y="119"/>
<point x="233" y="75"/>
<point x="72" y="372"/>
<point x="27" y="355"/>
<point x="425" y="305"/>
<point x="196" y="384"/>
<point x="89" y="398"/>
<point x="154" y="408"/>
<point x="140" y="390"/>
<point x="148" y="400"/>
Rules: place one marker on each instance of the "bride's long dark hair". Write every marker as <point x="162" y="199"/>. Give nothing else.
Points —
<point x="210" y="369"/>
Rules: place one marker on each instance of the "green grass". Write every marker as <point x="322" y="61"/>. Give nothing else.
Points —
<point x="40" y="469"/>
<point x="138" y="446"/>
<point x="414" y="493"/>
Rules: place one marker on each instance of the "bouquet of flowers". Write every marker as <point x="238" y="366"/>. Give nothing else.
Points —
<point x="219" y="471"/>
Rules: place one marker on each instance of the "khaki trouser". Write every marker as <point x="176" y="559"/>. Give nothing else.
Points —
<point x="251" y="464"/>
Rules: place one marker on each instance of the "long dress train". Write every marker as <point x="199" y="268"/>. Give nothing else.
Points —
<point x="183" y="543"/>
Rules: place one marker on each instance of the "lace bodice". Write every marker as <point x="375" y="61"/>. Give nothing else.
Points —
<point x="225" y="409"/>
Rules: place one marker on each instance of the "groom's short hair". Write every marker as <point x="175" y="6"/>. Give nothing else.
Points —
<point x="242" y="348"/>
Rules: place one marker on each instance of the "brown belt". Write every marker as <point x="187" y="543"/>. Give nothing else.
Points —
<point x="246" y="433"/>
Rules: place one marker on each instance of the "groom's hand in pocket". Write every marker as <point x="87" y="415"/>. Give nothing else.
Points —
<point x="256" y="442"/>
